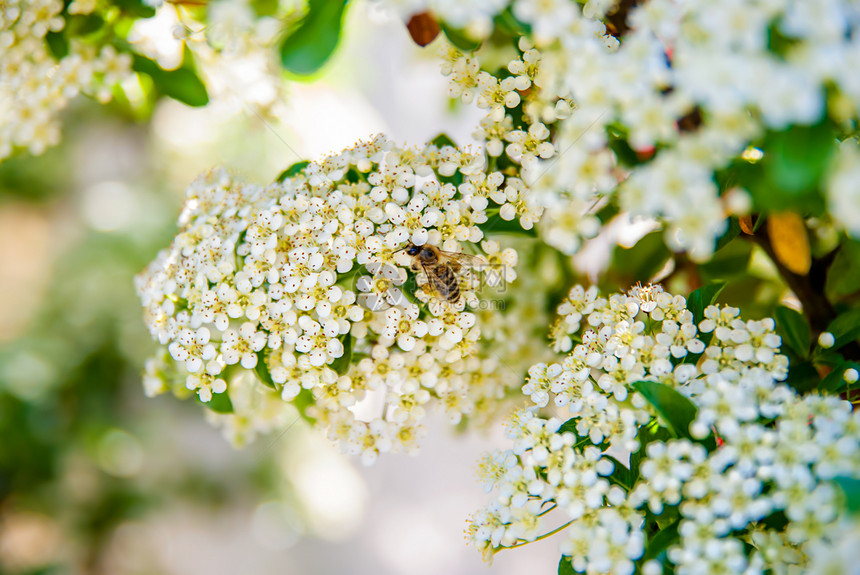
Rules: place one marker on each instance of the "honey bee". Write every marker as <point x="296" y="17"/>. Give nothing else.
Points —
<point x="441" y="268"/>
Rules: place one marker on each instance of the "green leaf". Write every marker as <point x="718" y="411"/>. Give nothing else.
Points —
<point x="647" y="434"/>
<point x="643" y="260"/>
<point x="827" y="357"/>
<point x="460" y="39"/>
<point x="777" y="42"/>
<point x="265" y="7"/>
<point x="220" y="403"/>
<point x="181" y="84"/>
<point x="732" y="232"/>
<point x="676" y="410"/>
<point x="303" y="401"/>
<point x="495" y="224"/>
<point x="309" y="47"/>
<point x="565" y="567"/>
<point x="776" y="521"/>
<point x="794" y="330"/>
<point x="621" y="475"/>
<point x="618" y="143"/>
<point x="134" y="8"/>
<point x="82" y="25"/>
<point x="348" y="279"/>
<point x="57" y="44"/>
<point x="510" y="24"/>
<point x="341" y="364"/>
<point x="789" y="176"/>
<point x="293" y="170"/>
<point x="262" y="368"/>
<point x="731" y="261"/>
<point x="851" y="488"/>
<point x="845" y="328"/>
<point x="581" y="442"/>
<point x="843" y="277"/>
<point x="703" y="297"/>
<point x="796" y="159"/>
<point x="660" y="542"/>
<point x="768" y="198"/>
<point x="665" y="520"/>
<point x="608" y="212"/>
<point x="802" y="376"/>
<point x="442" y="140"/>
<point x="568" y="426"/>
<point x="834" y="382"/>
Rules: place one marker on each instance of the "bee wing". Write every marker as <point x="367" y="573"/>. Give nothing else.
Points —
<point x="462" y="260"/>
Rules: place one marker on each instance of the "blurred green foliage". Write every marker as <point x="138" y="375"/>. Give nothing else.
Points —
<point x="309" y="46"/>
<point x="80" y="445"/>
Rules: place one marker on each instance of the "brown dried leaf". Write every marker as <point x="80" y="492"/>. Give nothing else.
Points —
<point x="790" y="241"/>
<point x="423" y="28"/>
<point x="746" y="224"/>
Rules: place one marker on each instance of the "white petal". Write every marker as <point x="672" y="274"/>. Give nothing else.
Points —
<point x="249" y="361"/>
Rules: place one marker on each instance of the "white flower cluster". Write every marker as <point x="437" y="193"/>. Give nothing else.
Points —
<point x="549" y="470"/>
<point x="749" y="490"/>
<point x="769" y="483"/>
<point x="843" y="193"/>
<point x="34" y="86"/>
<point x="234" y="49"/>
<point x="688" y="86"/>
<point x="647" y="334"/>
<point x="301" y="281"/>
<point x="840" y="555"/>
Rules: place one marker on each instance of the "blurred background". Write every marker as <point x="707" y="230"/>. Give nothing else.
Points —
<point x="97" y="479"/>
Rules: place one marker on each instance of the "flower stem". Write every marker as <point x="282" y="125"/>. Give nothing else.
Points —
<point x="544" y="536"/>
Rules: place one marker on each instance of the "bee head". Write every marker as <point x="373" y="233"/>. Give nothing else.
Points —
<point x="413" y="250"/>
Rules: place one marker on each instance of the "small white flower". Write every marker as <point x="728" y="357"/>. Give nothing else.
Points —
<point x="242" y="345"/>
<point x="826" y="340"/>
